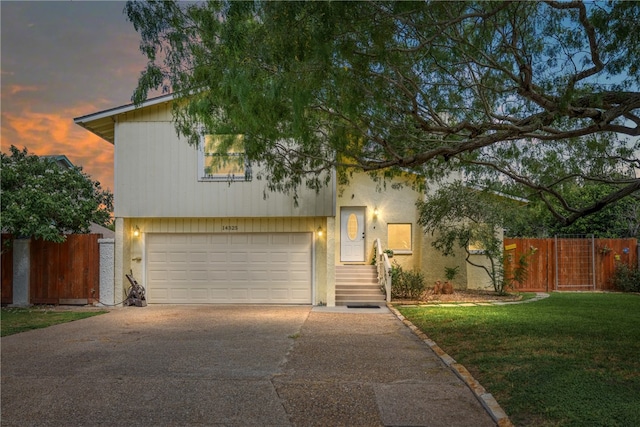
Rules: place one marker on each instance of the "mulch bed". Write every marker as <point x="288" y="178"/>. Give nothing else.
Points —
<point x="461" y="296"/>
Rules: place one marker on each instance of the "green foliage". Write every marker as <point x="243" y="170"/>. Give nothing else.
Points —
<point x="42" y="200"/>
<point x="525" y="95"/>
<point x="16" y="320"/>
<point x="619" y="220"/>
<point x="406" y="284"/>
<point x="450" y="273"/>
<point x="516" y="272"/>
<point x="625" y="278"/>
<point x="458" y="216"/>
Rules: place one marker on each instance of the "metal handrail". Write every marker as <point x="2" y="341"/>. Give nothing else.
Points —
<point x="384" y="269"/>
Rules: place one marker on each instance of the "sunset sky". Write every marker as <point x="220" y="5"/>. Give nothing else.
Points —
<point x="61" y="60"/>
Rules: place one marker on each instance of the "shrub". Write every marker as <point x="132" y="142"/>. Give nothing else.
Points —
<point x="406" y="284"/>
<point x="626" y="279"/>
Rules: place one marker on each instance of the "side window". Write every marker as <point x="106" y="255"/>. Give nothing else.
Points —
<point x="399" y="238"/>
<point x="476" y="248"/>
<point x="222" y="158"/>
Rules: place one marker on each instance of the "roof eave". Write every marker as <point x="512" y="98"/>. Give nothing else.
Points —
<point x="102" y="123"/>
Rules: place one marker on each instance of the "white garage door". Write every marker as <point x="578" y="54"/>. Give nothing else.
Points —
<point x="229" y="268"/>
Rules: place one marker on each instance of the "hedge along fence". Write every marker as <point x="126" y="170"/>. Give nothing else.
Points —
<point x="547" y="267"/>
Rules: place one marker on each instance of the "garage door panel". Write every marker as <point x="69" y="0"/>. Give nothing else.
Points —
<point x="299" y="277"/>
<point x="199" y="239"/>
<point x="231" y="268"/>
<point x="239" y="294"/>
<point x="219" y="294"/>
<point x="261" y="256"/>
<point x="239" y="239"/>
<point x="299" y="294"/>
<point x="200" y="294"/>
<point x="197" y="257"/>
<point x="177" y="257"/>
<point x="178" y="293"/>
<point x="260" y="294"/>
<point x="260" y="239"/>
<point x="199" y="275"/>
<point x="177" y="238"/>
<point x="154" y="256"/>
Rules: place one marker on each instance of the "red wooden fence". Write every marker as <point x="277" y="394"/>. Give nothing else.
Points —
<point x="7" y="270"/>
<point x="61" y="273"/>
<point x="541" y="275"/>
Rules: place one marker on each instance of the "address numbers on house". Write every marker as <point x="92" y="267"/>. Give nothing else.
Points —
<point x="229" y="228"/>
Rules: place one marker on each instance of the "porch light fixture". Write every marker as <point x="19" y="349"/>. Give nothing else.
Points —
<point x="319" y="231"/>
<point x="136" y="232"/>
<point x="376" y="212"/>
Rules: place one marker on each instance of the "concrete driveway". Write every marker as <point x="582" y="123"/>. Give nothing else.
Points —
<point x="231" y="366"/>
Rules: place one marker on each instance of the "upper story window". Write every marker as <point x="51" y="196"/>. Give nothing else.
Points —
<point x="222" y="158"/>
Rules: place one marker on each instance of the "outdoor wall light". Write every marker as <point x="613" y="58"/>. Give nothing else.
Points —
<point x="136" y="232"/>
<point x="319" y="231"/>
<point x="376" y="212"/>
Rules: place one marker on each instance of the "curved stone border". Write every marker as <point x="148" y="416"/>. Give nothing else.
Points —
<point x="486" y="399"/>
<point x="538" y="297"/>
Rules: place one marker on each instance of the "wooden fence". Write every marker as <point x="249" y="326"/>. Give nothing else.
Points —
<point x="7" y="270"/>
<point x="60" y="273"/>
<point x="546" y="269"/>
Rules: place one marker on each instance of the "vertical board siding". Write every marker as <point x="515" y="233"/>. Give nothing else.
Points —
<point x="541" y="275"/>
<point x="157" y="176"/>
<point x="215" y="225"/>
<point x="7" y="269"/>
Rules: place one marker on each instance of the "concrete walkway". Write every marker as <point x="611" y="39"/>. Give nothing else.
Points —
<point x="232" y="366"/>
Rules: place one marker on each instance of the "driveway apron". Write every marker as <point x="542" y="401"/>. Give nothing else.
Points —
<point x="230" y="366"/>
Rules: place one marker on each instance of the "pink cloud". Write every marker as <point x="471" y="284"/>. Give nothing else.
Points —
<point x="55" y="133"/>
<point x="15" y="89"/>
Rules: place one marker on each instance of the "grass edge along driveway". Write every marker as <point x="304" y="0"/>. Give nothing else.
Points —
<point x="14" y="320"/>
<point x="569" y="360"/>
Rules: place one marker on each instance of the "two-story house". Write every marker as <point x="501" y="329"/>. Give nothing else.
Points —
<point x="197" y="227"/>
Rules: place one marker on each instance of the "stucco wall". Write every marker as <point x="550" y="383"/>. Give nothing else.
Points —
<point x="107" y="275"/>
<point x="478" y="277"/>
<point x="434" y="263"/>
<point x="21" y="272"/>
<point x="393" y="205"/>
<point x="397" y="205"/>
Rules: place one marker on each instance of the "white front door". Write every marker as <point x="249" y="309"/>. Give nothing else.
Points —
<point x="352" y="234"/>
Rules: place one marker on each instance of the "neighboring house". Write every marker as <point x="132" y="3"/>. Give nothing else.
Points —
<point x="61" y="160"/>
<point x="190" y="236"/>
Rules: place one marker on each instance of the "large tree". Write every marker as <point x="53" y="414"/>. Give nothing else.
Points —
<point x="43" y="200"/>
<point x="525" y="97"/>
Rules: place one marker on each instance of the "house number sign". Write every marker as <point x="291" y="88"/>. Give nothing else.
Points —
<point x="229" y="228"/>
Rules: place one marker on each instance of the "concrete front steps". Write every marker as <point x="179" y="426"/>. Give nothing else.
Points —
<point x="358" y="285"/>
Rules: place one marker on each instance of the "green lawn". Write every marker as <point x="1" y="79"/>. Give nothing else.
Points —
<point x="568" y="360"/>
<point x="15" y="320"/>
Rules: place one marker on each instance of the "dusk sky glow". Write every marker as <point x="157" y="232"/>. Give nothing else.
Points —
<point x="64" y="59"/>
<point x="61" y="60"/>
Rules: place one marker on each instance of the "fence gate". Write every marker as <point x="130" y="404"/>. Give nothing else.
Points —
<point x="575" y="262"/>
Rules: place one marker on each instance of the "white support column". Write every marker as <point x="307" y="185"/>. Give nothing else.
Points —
<point x="331" y="261"/>
<point x="107" y="271"/>
<point x="119" y="262"/>
<point x="21" y="272"/>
